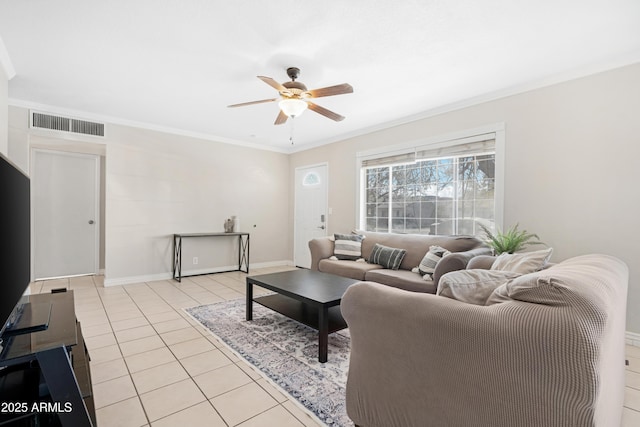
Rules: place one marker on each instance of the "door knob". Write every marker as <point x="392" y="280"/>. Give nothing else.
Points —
<point x="321" y="227"/>
<point x="91" y="221"/>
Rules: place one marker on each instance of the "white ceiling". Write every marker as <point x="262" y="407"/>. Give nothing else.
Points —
<point x="176" y="64"/>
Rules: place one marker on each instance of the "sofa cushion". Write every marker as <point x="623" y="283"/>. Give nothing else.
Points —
<point x="473" y="286"/>
<point x="523" y="263"/>
<point x="347" y="246"/>
<point x="402" y="279"/>
<point x="387" y="257"/>
<point x="352" y="269"/>
<point x="431" y="259"/>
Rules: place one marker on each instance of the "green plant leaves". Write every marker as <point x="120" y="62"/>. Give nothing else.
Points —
<point x="510" y="241"/>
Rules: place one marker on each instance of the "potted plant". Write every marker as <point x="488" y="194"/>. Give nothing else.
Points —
<point x="509" y="241"/>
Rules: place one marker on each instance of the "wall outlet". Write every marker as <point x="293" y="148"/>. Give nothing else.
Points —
<point x="195" y="260"/>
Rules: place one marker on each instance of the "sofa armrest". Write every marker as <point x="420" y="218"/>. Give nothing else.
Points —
<point x="483" y="262"/>
<point x="321" y="248"/>
<point x="457" y="261"/>
<point x="422" y="359"/>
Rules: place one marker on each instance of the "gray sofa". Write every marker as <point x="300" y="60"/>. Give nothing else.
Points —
<point x="416" y="245"/>
<point x="549" y="352"/>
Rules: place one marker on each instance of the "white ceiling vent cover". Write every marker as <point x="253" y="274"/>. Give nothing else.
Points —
<point x="66" y="124"/>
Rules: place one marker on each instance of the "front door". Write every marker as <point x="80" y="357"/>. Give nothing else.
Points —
<point x="310" y="210"/>
<point x="65" y="188"/>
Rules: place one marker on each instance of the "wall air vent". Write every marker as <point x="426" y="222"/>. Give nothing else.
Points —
<point x="66" y="124"/>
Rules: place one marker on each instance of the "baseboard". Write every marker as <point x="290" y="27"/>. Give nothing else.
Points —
<point x="272" y="264"/>
<point x="119" y="281"/>
<point x="632" y="339"/>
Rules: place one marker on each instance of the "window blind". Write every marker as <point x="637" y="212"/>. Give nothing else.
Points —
<point x="396" y="159"/>
<point x="474" y="145"/>
<point x="473" y="148"/>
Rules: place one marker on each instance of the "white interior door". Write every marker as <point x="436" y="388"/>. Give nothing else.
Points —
<point x="310" y="210"/>
<point x="65" y="211"/>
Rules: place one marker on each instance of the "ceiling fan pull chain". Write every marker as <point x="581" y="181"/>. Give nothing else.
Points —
<point x="291" y="136"/>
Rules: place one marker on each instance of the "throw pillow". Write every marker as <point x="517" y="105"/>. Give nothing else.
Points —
<point x="387" y="257"/>
<point x="544" y="287"/>
<point x="499" y="295"/>
<point x="430" y="261"/>
<point x="348" y="246"/>
<point x="335" y="258"/>
<point x="473" y="286"/>
<point x="523" y="263"/>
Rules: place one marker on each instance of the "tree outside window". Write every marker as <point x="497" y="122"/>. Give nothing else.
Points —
<point x="446" y="196"/>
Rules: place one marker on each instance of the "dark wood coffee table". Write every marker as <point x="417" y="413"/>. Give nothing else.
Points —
<point x="310" y="297"/>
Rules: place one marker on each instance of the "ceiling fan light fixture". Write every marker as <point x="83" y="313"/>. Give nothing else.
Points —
<point x="292" y="107"/>
<point x="295" y="98"/>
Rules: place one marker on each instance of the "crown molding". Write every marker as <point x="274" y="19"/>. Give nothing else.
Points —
<point x="628" y="59"/>
<point x="110" y="120"/>
<point x="5" y="61"/>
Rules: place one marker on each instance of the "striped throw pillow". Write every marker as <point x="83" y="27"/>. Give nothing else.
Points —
<point x="348" y="246"/>
<point x="428" y="264"/>
<point x="387" y="257"/>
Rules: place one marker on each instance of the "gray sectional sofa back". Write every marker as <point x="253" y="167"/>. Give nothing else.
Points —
<point x="416" y="245"/>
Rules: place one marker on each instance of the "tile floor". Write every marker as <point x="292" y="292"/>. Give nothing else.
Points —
<point x="153" y="366"/>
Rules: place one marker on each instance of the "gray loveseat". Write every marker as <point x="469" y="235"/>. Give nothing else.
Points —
<point x="549" y="353"/>
<point x="464" y="248"/>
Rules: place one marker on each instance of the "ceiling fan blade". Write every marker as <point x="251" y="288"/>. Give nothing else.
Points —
<point x="274" y="84"/>
<point x="327" y="113"/>
<point x="252" y="102"/>
<point x="331" y="90"/>
<point x="282" y="117"/>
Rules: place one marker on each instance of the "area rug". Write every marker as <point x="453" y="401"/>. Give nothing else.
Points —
<point x="286" y="352"/>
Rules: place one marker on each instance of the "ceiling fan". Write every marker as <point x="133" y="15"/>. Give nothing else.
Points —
<point x="294" y="97"/>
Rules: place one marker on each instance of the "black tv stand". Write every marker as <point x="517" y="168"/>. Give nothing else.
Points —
<point x="30" y="317"/>
<point x="45" y="378"/>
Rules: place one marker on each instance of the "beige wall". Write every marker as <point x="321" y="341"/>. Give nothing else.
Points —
<point x="572" y="155"/>
<point x="157" y="184"/>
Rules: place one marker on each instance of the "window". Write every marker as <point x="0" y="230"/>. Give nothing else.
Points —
<point x="311" y="179"/>
<point x="445" y="190"/>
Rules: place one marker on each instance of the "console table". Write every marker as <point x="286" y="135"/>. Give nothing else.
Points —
<point x="243" y="251"/>
<point x="44" y="375"/>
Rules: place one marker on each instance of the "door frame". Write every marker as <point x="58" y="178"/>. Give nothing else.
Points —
<point x="96" y="159"/>
<point x="295" y="203"/>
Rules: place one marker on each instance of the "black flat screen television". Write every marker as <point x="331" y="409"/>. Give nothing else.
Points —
<point x="15" y="237"/>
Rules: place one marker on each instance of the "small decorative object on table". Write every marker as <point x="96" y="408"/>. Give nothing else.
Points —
<point x="228" y="225"/>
